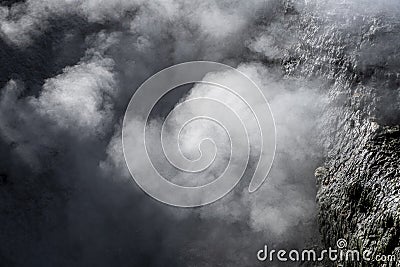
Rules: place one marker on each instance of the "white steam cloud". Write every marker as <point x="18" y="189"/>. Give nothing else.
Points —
<point x="81" y="105"/>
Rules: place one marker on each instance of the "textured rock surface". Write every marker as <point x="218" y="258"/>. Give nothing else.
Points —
<point x="359" y="184"/>
<point x="359" y="190"/>
<point x="357" y="54"/>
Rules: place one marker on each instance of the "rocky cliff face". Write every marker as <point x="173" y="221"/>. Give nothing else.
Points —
<point x="359" y="191"/>
<point x="357" y="53"/>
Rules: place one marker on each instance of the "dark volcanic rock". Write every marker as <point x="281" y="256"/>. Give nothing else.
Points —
<point x="357" y="54"/>
<point x="359" y="185"/>
<point x="359" y="191"/>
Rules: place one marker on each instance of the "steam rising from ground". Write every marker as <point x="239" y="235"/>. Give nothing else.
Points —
<point x="282" y="204"/>
<point x="69" y="131"/>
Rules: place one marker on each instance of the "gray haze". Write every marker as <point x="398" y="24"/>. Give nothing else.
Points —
<point x="68" y="70"/>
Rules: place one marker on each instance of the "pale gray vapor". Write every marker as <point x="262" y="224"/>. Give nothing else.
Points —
<point x="69" y="70"/>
